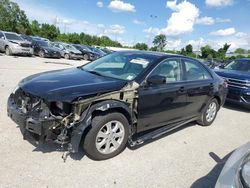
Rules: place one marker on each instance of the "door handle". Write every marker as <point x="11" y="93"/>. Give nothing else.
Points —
<point x="181" y="90"/>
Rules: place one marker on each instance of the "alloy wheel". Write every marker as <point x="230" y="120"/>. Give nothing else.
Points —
<point x="211" y="112"/>
<point x="110" y="137"/>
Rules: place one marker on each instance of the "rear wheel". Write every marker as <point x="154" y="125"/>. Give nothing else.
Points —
<point x="8" y="51"/>
<point x="209" y="113"/>
<point x="107" y="137"/>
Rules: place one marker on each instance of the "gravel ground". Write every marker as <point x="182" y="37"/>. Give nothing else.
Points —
<point x="190" y="157"/>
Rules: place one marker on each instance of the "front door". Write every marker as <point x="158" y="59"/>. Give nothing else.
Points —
<point x="160" y="104"/>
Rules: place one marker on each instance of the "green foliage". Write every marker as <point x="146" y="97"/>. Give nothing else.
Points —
<point x="12" y="18"/>
<point x="49" y="31"/>
<point x="240" y="51"/>
<point x="141" y="46"/>
<point x="188" y="51"/>
<point x="35" y="27"/>
<point x="160" y="41"/>
<point x="221" y="53"/>
<point x="240" y="56"/>
<point x="83" y="38"/>
<point x="208" y="53"/>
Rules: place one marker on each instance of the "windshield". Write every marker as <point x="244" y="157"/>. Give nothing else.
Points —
<point x="43" y="43"/>
<point x="124" y="66"/>
<point x="96" y="50"/>
<point x="11" y="36"/>
<point x="239" y="65"/>
<point x="69" y="47"/>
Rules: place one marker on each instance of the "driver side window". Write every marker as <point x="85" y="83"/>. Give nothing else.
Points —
<point x="170" y="69"/>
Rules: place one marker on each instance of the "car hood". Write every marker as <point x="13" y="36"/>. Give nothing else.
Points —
<point x="69" y="84"/>
<point x="19" y="41"/>
<point x="233" y="74"/>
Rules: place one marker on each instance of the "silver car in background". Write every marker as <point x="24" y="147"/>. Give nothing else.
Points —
<point x="68" y="51"/>
<point x="12" y="43"/>
<point x="236" y="171"/>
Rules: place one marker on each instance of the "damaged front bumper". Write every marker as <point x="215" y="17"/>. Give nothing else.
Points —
<point x="44" y="127"/>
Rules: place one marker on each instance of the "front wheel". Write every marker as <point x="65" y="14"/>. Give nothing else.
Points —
<point x="209" y="113"/>
<point x="67" y="56"/>
<point x="86" y="57"/>
<point x="107" y="137"/>
<point x="41" y="54"/>
<point x="8" y="51"/>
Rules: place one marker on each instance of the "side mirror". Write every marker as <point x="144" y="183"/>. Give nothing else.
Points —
<point x="156" y="79"/>
<point x="222" y="66"/>
<point x="2" y="37"/>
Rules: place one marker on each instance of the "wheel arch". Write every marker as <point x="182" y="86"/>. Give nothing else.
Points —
<point x="113" y="105"/>
<point x="102" y="106"/>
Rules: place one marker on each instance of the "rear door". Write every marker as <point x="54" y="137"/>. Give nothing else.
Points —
<point x="161" y="104"/>
<point x="199" y="86"/>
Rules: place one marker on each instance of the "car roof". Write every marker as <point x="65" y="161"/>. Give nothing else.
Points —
<point x="246" y="58"/>
<point x="10" y="32"/>
<point x="153" y="53"/>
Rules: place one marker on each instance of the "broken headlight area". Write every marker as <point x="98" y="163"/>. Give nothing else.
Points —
<point x="42" y="120"/>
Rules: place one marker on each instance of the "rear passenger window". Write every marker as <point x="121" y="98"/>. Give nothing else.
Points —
<point x="195" y="71"/>
<point x="170" y="69"/>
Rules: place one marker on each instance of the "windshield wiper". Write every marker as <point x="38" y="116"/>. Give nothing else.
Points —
<point x="93" y="72"/>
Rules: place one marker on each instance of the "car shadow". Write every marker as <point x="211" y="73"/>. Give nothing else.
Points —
<point x="52" y="147"/>
<point x="162" y="136"/>
<point x="237" y="107"/>
<point x="209" y="180"/>
<point x="49" y="147"/>
<point x="58" y="63"/>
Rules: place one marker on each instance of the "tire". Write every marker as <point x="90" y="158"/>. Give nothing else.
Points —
<point x="66" y="56"/>
<point x="86" y="57"/>
<point x="208" y="116"/>
<point x="99" y="137"/>
<point x="8" y="51"/>
<point x="41" y="54"/>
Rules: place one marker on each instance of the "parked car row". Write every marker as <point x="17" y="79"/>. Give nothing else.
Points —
<point x="14" y="44"/>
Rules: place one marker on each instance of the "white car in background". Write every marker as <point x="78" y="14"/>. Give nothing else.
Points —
<point x="11" y="43"/>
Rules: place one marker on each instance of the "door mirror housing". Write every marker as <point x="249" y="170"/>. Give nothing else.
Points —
<point x="222" y="66"/>
<point x="156" y="79"/>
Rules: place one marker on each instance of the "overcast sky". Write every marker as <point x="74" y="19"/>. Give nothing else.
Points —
<point x="196" y="22"/>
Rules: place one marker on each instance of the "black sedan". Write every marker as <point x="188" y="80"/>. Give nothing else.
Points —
<point x="125" y="97"/>
<point x="43" y="49"/>
<point x="86" y="52"/>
